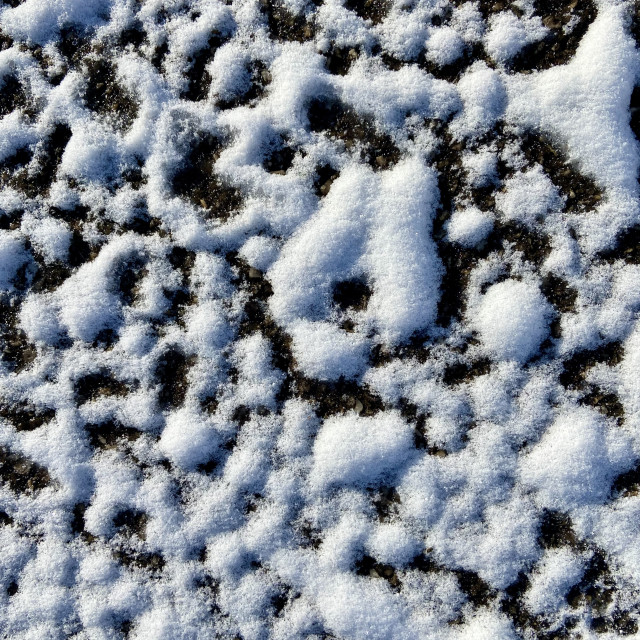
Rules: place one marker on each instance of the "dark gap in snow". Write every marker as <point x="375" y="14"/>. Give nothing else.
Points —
<point x="634" y="112"/>
<point x="12" y="95"/>
<point x="25" y="417"/>
<point x="626" y="248"/>
<point x="22" y="474"/>
<point x="627" y="484"/>
<point x="489" y="7"/>
<point x="143" y="224"/>
<point x="512" y="605"/>
<point x="386" y="501"/>
<point x="595" y="590"/>
<point x="352" y="294"/>
<point x="607" y="403"/>
<point x="367" y="566"/>
<point x="374" y="10"/>
<point x="149" y="561"/>
<point x="17" y="160"/>
<point x="581" y="192"/>
<point x="108" y="435"/>
<point x="451" y="72"/>
<point x="331" y="398"/>
<point x="286" y="26"/>
<point x="134" y="177"/>
<point x="576" y="366"/>
<point x="259" y="80"/>
<point x="17" y="352"/>
<point x="105" y="96"/>
<point x="358" y="133"/>
<point x="325" y="177"/>
<point x="38" y="181"/>
<point x="198" y="182"/>
<point x="101" y="383"/>
<point x="73" y="216"/>
<point x="279" y="157"/>
<point x="131" y="522"/>
<point x="559" y="293"/>
<point x="459" y="372"/>
<point x="534" y="245"/>
<point x="635" y="24"/>
<point x="159" y="54"/>
<point x="73" y="44"/>
<point x="338" y="60"/>
<point x="479" y="593"/>
<point x="182" y="260"/>
<point x="129" y="276"/>
<point x="171" y="372"/>
<point x="80" y="251"/>
<point x="10" y="221"/>
<point x="568" y="21"/>
<point x="133" y="35"/>
<point x="556" y="530"/>
<point x="198" y="76"/>
<point x="413" y="416"/>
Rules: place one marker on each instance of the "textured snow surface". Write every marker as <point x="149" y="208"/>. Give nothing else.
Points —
<point x="319" y="319"/>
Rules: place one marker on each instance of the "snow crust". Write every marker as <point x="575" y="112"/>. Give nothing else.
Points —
<point x="225" y="447"/>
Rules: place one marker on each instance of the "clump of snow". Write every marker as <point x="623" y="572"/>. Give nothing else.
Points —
<point x="508" y="34"/>
<point x="554" y="575"/>
<point x="355" y="450"/>
<point x="528" y="197"/>
<point x="484" y="99"/>
<point x="326" y="352"/>
<point x="575" y="461"/>
<point x="469" y="226"/>
<point x="444" y="46"/>
<point x="481" y="167"/>
<point x="512" y="318"/>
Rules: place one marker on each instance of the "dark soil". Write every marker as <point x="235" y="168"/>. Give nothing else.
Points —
<point x="342" y="123"/>
<point x="105" y="96"/>
<point x="198" y="182"/>
<point x="22" y="474"/>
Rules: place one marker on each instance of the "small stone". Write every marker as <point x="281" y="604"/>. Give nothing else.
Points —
<point x="254" y="274"/>
<point x="381" y="161"/>
<point x="265" y="76"/>
<point x="359" y="407"/>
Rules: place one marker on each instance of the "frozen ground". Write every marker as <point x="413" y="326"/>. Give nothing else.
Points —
<point x="319" y="319"/>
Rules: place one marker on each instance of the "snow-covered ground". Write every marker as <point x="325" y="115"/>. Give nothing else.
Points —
<point x="319" y="319"/>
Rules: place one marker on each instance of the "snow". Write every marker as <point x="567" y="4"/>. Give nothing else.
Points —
<point x="508" y="34"/>
<point x="512" y="319"/>
<point x="444" y="46"/>
<point x="575" y="461"/>
<point x="528" y="197"/>
<point x="201" y="436"/>
<point x="469" y="226"/>
<point x="355" y="450"/>
<point x="555" y="574"/>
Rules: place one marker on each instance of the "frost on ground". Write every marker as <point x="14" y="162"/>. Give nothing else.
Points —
<point x="319" y="319"/>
